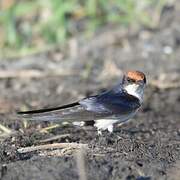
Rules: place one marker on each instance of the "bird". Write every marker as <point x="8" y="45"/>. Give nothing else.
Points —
<point x="116" y="105"/>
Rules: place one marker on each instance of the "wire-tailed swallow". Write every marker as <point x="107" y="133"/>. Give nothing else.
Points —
<point x="112" y="106"/>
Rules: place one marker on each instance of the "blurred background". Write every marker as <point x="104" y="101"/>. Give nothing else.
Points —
<point x="28" y="26"/>
<point x="54" y="52"/>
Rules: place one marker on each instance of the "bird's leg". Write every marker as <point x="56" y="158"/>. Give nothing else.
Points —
<point x="100" y="132"/>
<point x="110" y="128"/>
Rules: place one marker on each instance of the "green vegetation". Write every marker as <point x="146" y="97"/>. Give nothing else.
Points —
<point x="32" y="25"/>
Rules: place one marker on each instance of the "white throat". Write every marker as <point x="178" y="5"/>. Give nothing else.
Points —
<point x="135" y="90"/>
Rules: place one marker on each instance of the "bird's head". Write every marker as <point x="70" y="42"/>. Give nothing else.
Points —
<point x="134" y="83"/>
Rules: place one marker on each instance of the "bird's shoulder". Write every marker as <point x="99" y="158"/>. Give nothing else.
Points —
<point x="115" y="100"/>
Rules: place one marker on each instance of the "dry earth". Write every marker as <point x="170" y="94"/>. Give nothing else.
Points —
<point x="146" y="148"/>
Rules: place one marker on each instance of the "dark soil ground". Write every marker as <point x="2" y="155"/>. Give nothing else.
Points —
<point x="148" y="147"/>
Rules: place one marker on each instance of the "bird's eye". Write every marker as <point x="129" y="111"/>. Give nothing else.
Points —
<point x="130" y="80"/>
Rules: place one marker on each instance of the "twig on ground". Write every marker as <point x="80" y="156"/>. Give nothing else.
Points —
<point x="54" y="138"/>
<point x="100" y="155"/>
<point x="57" y="152"/>
<point x="80" y="158"/>
<point x="5" y="132"/>
<point x="162" y="85"/>
<point x="4" y="74"/>
<point x="46" y="129"/>
<point x="5" y="129"/>
<point x="51" y="146"/>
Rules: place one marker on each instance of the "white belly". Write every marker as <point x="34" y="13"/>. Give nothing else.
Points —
<point x="103" y="124"/>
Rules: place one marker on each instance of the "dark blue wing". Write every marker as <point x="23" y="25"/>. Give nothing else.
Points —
<point x="115" y="102"/>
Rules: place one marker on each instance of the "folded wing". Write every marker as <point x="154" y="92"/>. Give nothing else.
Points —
<point x="114" y="103"/>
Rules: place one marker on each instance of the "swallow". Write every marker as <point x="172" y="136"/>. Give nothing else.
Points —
<point x="116" y="105"/>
